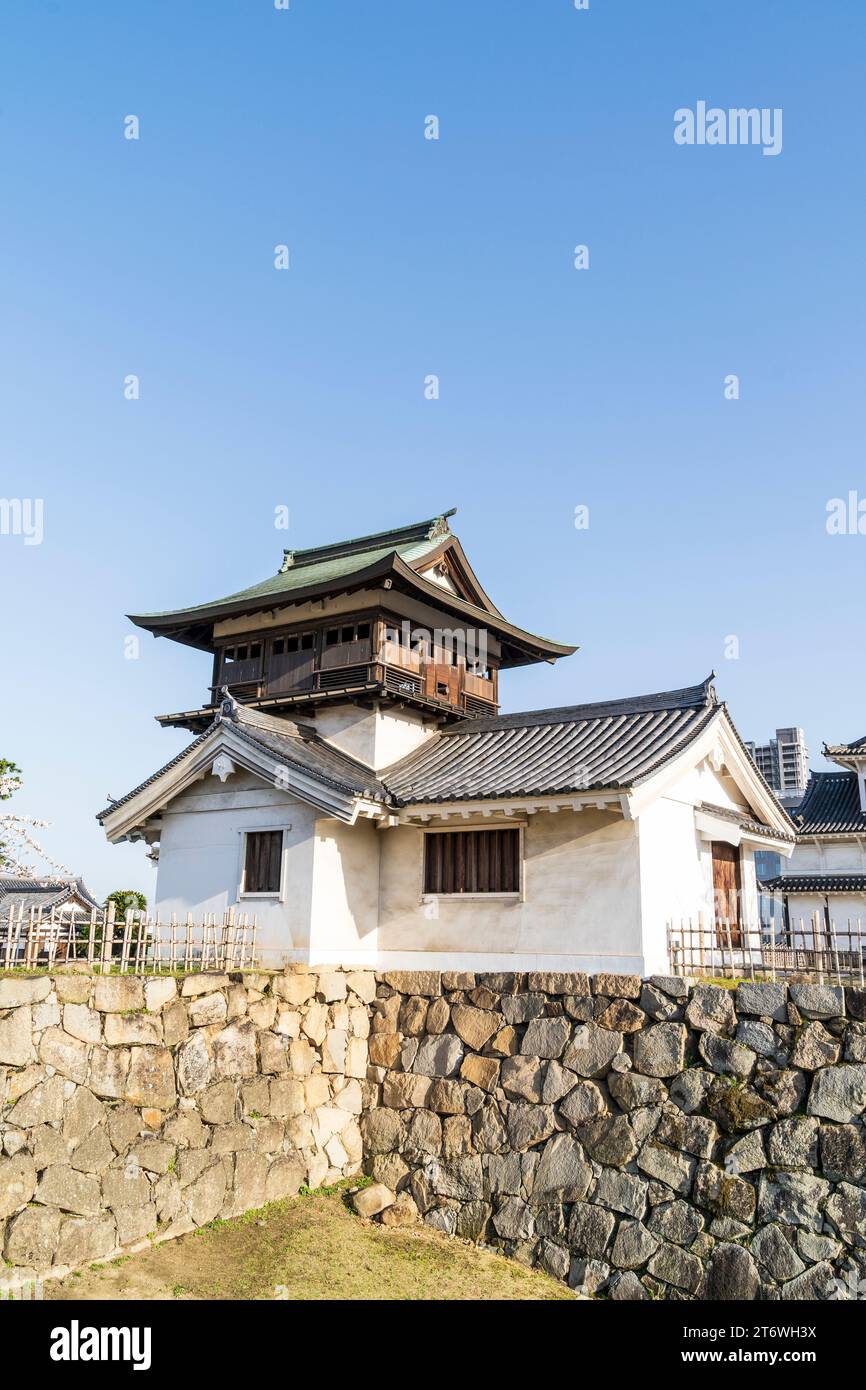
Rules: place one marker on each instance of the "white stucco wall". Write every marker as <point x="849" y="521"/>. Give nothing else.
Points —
<point x="200" y="859"/>
<point x="579" y="909"/>
<point x="377" y="737"/>
<point x="828" y="857"/>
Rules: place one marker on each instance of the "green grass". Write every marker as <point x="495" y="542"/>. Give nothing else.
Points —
<point x="312" y="1247"/>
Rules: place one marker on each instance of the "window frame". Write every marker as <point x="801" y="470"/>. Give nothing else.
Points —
<point x="498" y="895"/>
<point x="274" y="894"/>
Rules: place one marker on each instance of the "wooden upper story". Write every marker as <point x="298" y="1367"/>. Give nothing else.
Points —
<point x="399" y="615"/>
<point x="360" y="649"/>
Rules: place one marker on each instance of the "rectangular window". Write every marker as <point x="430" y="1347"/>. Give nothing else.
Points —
<point x="472" y="861"/>
<point x="263" y="855"/>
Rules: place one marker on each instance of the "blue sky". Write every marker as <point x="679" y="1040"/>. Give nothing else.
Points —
<point x="304" y="388"/>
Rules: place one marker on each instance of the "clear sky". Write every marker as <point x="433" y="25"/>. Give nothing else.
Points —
<point x="304" y="388"/>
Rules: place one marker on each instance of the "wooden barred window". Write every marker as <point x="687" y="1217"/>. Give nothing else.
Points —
<point x="263" y="857"/>
<point x="472" y="861"/>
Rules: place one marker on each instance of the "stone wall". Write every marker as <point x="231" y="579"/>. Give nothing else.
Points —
<point x="138" y="1109"/>
<point x="635" y="1138"/>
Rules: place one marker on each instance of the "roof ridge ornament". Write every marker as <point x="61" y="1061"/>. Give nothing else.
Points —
<point x="228" y="705"/>
<point x="439" y="525"/>
<point x="288" y="561"/>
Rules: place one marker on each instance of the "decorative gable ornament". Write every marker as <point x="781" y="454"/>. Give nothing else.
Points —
<point x="223" y="767"/>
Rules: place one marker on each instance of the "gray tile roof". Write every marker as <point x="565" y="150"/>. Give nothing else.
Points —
<point x="293" y="745"/>
<point x="608" y="745"/>
<point x="746" y="822"/>
<point x="831" y="806"/>
<point x="46" y="893"/>
<point x="858" y="747"/>
<point x="815" y="883"/>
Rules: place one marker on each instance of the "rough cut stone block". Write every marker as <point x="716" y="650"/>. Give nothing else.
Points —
<point x="16" y="990"/>
<point x="439" y="1056"/>
<point x="331" y="986"/>
<point x="615" y="986"/>
<point x="794" y="1199"/>
<point x="151" y="1078"/>
<point x="591" y="1050"/>
<point x="204" y="983"/>
<point x="194" y="1060"/>
<point x="93" y="1154"/>
<point x="125" y="1187"/>
<point x="82" y="1022"/>
<point x="839" y="1093"/>
<point x="124" y="1029"/>
<point x="819" y="1001"/>
<point x="732" y="1275"/>
<point x="17" y="1183"/>
<point x="711" y="1009"/>
<point x="83" y="1239"/>
<point x="16" y="1036"/>
<point x="723" y="1194"/>
<point x="427" y="982"/>
<point x="546" y="1037"/>
<point x="42" y="1104"/>
<point x="763" y="1000"/>
<point x="555" y="982"/>
<point x="64" y="1053"/>
<point x="474" y="1026"/>
<point x="562" y="1170"/>
<point x="674" y="1169"/>
<point x="480" y="1071"/>
<point x="294" y="988"/>
<point x="846" y="1212"/>
<point x="118" y="994"/>
<point x="677" y="1267"/>
<point x="159" y="992"/>
<point x="32" y="1236"/>
<point x="234" y="1050"/>
<point x="622" y="1016"/>
<point x="660" y="1050"/>
<point x="205" y="1009"/>
<point x="285" y="1178"/>
<point x="72" y="989"/>
<point x="61" y="1186"/>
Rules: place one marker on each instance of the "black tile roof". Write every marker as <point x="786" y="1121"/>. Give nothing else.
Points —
<point x="741" y="818"/>
<point x="294" y="745"/>
<point x="831" y="806"/>
<point x="833" y="750"/>
<point x="611" y="745"/>
<point x="815" y="883"/>
<point x="46" y="893"/>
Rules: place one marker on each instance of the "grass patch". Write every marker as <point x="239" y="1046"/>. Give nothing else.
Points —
<point x="312" y="1247"/>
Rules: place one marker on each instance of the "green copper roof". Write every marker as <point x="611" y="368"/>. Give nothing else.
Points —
<point x="394" y="556"/>
<point x="321" y="564"/>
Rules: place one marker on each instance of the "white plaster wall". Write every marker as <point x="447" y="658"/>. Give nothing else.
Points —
<point x="345" y="901"/>
<point x="200" y="859"/>
<point x="579" y="910"/>
<point x="377" y="737"/>
<point x="828" y="857"/>
<point x="675" y="874"/>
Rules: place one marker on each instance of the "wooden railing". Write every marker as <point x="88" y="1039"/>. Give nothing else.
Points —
<point x="811" y="948"/>
<point x="137" y="944"/>
<point x="474" y="689"/>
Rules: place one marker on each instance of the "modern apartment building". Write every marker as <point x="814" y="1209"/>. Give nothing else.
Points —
<point x="784" y="762"/>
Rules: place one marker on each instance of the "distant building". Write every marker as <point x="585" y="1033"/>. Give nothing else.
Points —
<point x="827" y="871"/>
<point x="784" y="762"/>
<point x="20" y="895"/>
